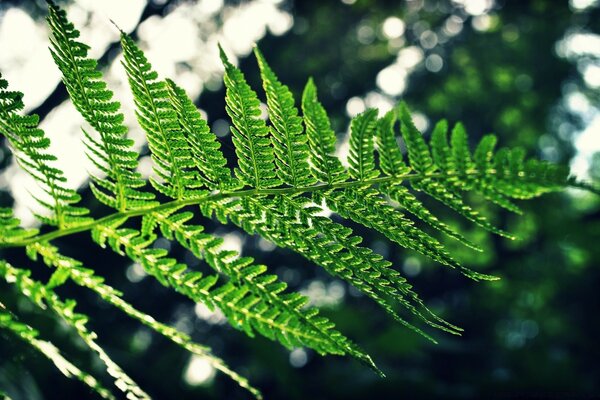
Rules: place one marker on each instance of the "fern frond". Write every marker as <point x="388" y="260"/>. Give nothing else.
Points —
<point x="284" y="179"/>
<point x="369" y="209"/>
<point x="325" y="166"/>
<point x="30" y="146"/>
<point x="10" y="228"/>
<point x="113" y="153"/>
<point x="439" y="146"/>
<point x="449" y="160"/>
<point x="418" y="151"/>
<point x="461" y="154"/>
<point x="243" y="309"/>
<point x="284" y="231"/>
<point x="361" y="157"/>
<point x="390" y="157"/>
<point x="442" y="189"/>
<point x="29" y="335"/>
<point x="67" y="267"/>
<point x="170" y="151"/>
<point x="412" y="205"/>
<point x="292" y="223"/>
<point x="317" y="332"/>
<point x="482" y="156"/>
<point x="204" y="146"/>
<point x="391" y="163"/>
<point x="525" y="179"/>
<point x="370" y="270"/>
<point x="366" y="207"/>
<point x="289" y="141"/>
<point x="267" y="287"/>
<point x="256" y="160"/>
<point x="43" y="297"/>
<point x="497" y="178"/>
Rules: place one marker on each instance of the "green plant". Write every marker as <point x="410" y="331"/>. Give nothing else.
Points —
<point x="286" y="172"/>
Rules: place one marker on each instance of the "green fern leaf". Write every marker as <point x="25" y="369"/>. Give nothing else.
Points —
<point x="460" y="149"/>
<point x="482" y="158"/>
<point x="205" y="147"/>
<point x="391" y="163"/>
<point x="113" y="153"/>
<point x="10" y="229"/>
<point x="43" y="296"/>
<point x="390" y="156"/>
<point x="411" y="204"/>
<point x="418" y="151"/>
<point x="29" y="335"/>
<point x="329" y="245"/>
<point x="361" y="157"/>
<point x="440" y="149"/>
<point x="289" y="141"/>
<point x="284" y="180"/>
<point x="168" y="145"/>
<point x="369" y="209"/>
<point x="85" y="277"/>
<point x="30" y="146"/>
<point x="268" y="288"/>
<point x="438" y="191"/>
<point x="325" y="166"/>
<point x="244" y="310"/>
<point x="522" y="179"/>
<point x="441" y="187"/>
<point x="256" y="161"/>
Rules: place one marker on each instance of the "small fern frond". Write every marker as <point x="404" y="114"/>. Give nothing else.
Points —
<point x="482" y="156"/>
<point x="409" y="202"/>
<point x="461" y="155"/>
<point x="418" y="151"/>
<point x="449" y="159"/>
<point x="497" y="178"/>
<point x="67" y="267"/>
<point x="289" y="141"/>
<point x="440" y="151"/>
<point x="113" y="153"/>
<point x="362" y="267"/>
<point x="391" y="163"/>
<point x="291" y="223"/>
<point x="43" y="297"/>
<point x="30" y="146"/>
<point x="390" y="156"/>
<point x="243" y="309"/>
<point x="267" y="287"/>
<point x="325" y="166"/>
<point x="169" y="148"/>
<point x="369" y="209"/>
<point x="256" y="160"/>
<point x="361" y="157"/>
<point x="10" y="228"/>
<point x="29" y="335"/>
<point x="442" y="189"/>
<point x="525" y="179"/>
<point x="204" y="146"/>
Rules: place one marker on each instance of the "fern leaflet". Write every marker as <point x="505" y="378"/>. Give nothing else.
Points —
<point x="112" y="154"/>
<point x="255" y="155"/>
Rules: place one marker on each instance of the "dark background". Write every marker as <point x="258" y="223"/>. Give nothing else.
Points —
<point x="534" y="334"/>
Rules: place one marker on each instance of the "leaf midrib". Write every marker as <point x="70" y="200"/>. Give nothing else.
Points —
<point x="217" y="196"/>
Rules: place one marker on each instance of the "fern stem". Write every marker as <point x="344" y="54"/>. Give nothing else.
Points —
<point x="179" y="203"/>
